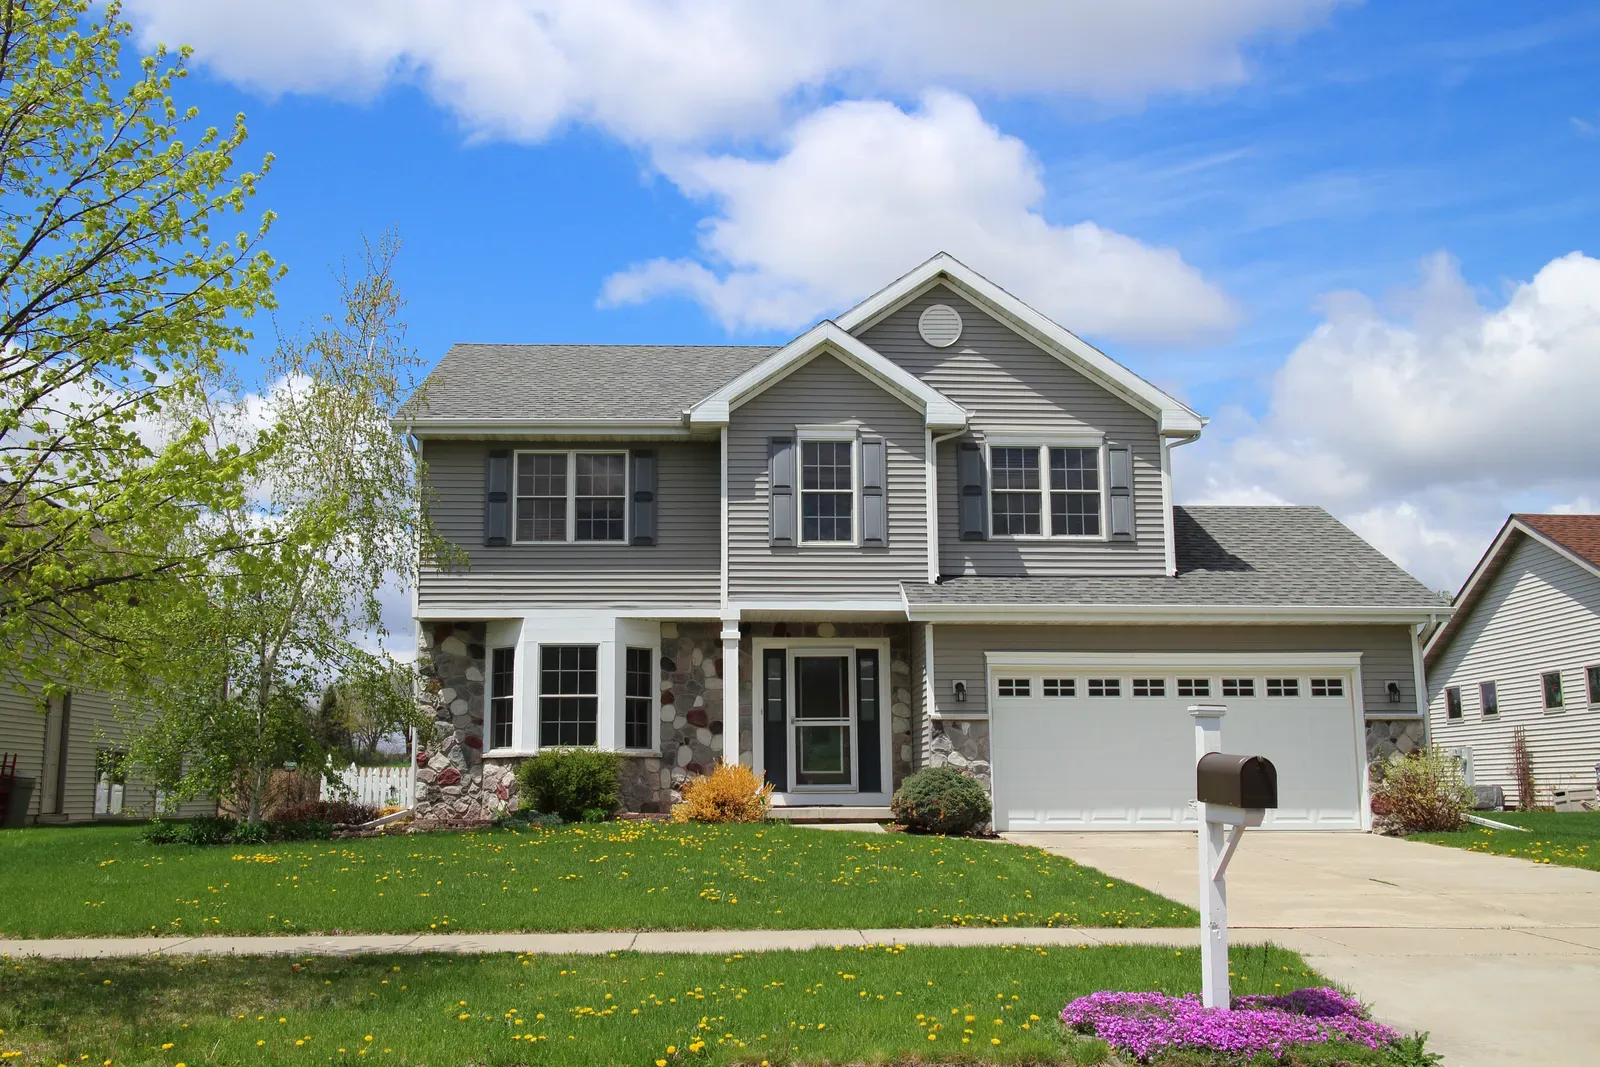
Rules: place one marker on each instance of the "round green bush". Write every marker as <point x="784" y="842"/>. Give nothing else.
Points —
<point x="941" y="800"/>
<point x="569" y="781"/>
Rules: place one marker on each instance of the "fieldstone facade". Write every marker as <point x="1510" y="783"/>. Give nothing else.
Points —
<point x="964" y="745"/>
<point x="902" y="693"/>
<point x="1388" y="736"/>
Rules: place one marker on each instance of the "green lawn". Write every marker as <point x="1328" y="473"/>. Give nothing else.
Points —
<point x="102" y="880"/>
<point x="852" y="1006"/>
<point x="1565" y="838"/>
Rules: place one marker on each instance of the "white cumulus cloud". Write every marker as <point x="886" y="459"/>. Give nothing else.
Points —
<point x="1425" y="422"/>
<point x="863" y="191"/>
<point x="675" y="70"/>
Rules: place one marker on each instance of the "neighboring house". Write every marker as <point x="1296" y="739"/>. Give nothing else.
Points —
<point x="1523" y="650"/>
<point x="69" y="758"/>
<point x="937" y="529"/>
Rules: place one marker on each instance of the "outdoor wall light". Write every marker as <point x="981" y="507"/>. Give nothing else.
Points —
<point x="1393" y="689"/>
<point x="960" y="690"/>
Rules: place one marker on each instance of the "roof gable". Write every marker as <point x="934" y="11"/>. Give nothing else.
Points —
<point x="1575" y="538"/>
<point x="939" y="412"/>
<point x="1174" y="418"/>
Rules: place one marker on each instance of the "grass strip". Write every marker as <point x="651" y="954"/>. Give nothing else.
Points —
<point x="610" y="876"/>
<point x="1561" y="838"/>
<point x="869" y="1004"/>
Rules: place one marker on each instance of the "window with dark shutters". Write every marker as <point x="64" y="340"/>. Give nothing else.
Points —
<point x="1120" y="483"/>
<point x="780" y="491"/>
<point x="497" y="498"/>
<point x="643" y="502"/>
<point x="874" y="492"/>
<point x="969" y="481"/>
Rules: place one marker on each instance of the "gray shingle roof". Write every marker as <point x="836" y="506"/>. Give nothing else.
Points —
<point x="578" y="381"/>
<point x="1250" y="556"/>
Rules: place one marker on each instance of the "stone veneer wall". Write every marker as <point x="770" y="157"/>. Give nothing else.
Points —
<point x="964" y="745"/>
<point x="1388" y="736"/>
<point x="455" y="783"/>
<point x="902" y="694"/>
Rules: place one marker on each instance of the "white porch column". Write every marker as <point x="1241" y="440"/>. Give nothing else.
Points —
<point x="730" y="691"/>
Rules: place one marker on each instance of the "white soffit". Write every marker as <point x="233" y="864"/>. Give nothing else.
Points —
<point x="1176" y="419"/>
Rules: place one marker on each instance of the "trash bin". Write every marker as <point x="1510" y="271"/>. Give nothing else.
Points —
<point x="21" y="794"/>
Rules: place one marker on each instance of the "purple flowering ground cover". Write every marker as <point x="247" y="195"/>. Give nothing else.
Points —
<point x="1152" y="1026"/>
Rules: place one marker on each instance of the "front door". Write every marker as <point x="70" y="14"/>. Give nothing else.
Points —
<point x="823" y="752"/>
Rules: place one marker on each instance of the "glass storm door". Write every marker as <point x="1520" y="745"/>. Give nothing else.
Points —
<point x="824" y="729"/>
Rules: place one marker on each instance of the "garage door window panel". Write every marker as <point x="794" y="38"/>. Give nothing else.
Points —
<point x="1194" y="687"/>
<point x="1105" y="687"/>
<point x="1238" y="687"/>
<point x="1149" y="687"/>
<point x="1283" y="687"/>
<point x="1060" y="687"/>
<point x="1014" y="687"/>
<point x="1327" y="687"/>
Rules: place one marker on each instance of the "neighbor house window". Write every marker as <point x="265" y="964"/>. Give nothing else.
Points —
<point x="1452" y="702"/>
<point x="1283" y="687"/>
<point x="1060" y="687"/>
<point x="1022" y="503"/>
<point x="1238" y="687"/>
<point x="1552" y="690"/>
<point x="1594" y="684"/>
<point x="1327" y="687"/>
<point x="571" y="496"/>
<point x="1489" y="698"/>
<point x="827" y="492"/>
<point x="502" y="686"/>
<point x="1013" y="687"/>
<point x="1105" y="687"/>
<point x="569" y="694"/>
<point x="1149" y="687"/>
<point x="1194" y="687"/>
<point x="638" y="698"/>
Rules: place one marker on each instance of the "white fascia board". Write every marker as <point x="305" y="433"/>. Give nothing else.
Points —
<point x="485" y="611"/>
<point x="939" y="411"/>
<point x="1177" y="660"/>
<point x="1174" y="417"/>
<point x="442" y="427"/>
<point x="1240" y="614"/>
<point x="825" y="610"/>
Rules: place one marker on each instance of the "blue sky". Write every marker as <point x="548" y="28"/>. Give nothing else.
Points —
<point x="1241" y="163"/>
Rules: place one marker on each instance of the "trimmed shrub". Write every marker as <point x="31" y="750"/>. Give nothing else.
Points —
<point x="526" y="817"/>
<point x="208" y="830"/>
<point x="728" y="794"/>
<point x="1420" y="793"/>
<point x="301" y="830"/>
<point x="941" y="800"/>
<point x="569" y="781"/>
<point x="251" y="833"/>
<point x="328" y="811"/>
<point x="161" y="833"/>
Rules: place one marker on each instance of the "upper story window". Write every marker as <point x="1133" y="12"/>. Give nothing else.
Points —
<point x="1489" y="697"/>
<point x="1452" y="702"/>
<point x="1550" y="682"/>
<point x="1026" y="501"/>
<point x="827" y="491"/>
<point x="572" y="496"/>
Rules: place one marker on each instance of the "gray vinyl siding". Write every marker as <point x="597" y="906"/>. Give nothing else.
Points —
<point x="1540" y="612"/>
<point x="825" y="391"/>
<point x="958" y="653"/>
<point x="1010" y="384"/>
<point x="683" y="567"/>
<point x="92" y="726"/>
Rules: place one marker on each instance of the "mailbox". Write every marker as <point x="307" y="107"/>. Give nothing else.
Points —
<point x="1236" y="781"/>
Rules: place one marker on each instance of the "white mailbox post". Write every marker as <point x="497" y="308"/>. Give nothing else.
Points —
<point x="1217" y="845"/>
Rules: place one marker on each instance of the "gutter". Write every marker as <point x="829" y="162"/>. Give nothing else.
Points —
<point x="1180" y="614"/>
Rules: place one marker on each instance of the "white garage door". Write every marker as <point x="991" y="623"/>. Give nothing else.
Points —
<point x="1079" y="744"/>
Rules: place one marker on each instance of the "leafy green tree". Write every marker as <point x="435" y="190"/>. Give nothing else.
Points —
<point x="117" y="299"/>
<point x="333" y="512"/>
<point x="376" y="700"/>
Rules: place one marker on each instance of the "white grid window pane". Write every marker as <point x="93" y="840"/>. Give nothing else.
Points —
<point x="600" y="493"/>
<point x="1283" y="687"/>
<point x="1105" y="687"/>
<point x="1238" y="687"/>
<point x="1014" y="687"/>
<point x="1075" y="492"/>
<point x="569" y="695"/>
<point x="542" y="497"/>
<point x="1014" y="497"/>
<point x="1327" y="687"/>
<point x="827" y="491"/>
<point x="1149" y="687"/>
<point x="1194" y="687"/>
<point x="1060" y="687"/>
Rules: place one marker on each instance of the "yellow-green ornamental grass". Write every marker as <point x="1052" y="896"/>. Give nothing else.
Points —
<point x="610" y="876"/>
<point x="851" y="1005"/>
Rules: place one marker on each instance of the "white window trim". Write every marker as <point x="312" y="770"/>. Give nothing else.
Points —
<point x="1544" y="698"/>
<point x="489" y="695"/>
<point x="572" y="492"/>
<point x="631" y="634"/>
<point x="1483" y="711"/>
<point x="851" y="435"/>
<point x="1044" y="443"/>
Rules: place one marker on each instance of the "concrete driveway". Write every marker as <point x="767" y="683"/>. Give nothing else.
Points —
<point x="1498" y="958"/>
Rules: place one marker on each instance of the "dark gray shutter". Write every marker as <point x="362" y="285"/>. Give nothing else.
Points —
<point x="969" y="479"/>
<point x="874" y="492"/>
<point x="868" y="731"/>
<point x="497" y="498"/>
<point x="775" y="717"/>
<point x="1120" y="482"/>
<point x="643" y="476"/>
<point x="780" y="491"/>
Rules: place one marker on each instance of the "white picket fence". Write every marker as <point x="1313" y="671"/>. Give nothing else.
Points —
<point x="378" y="786"/>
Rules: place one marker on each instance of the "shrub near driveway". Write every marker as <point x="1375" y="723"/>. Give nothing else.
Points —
<point x="610" y="876"/>
<point x="859" y="1005"/>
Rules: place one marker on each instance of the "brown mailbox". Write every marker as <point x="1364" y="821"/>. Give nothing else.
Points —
<point x="1237" y="781"/>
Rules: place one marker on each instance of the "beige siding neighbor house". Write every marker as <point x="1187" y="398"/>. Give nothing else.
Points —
<point x="937" y="529"/>
<point x="1523" y="651"/>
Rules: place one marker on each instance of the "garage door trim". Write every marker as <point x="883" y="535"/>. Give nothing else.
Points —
<point x="1340" y="662"/>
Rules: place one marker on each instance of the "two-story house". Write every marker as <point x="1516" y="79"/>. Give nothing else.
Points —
<point x="936" y="529"/>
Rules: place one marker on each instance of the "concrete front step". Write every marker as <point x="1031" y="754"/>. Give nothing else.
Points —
<point x="830" y="813"/>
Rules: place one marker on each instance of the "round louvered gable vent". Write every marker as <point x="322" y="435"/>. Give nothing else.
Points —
<point x="940" y="325"/>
